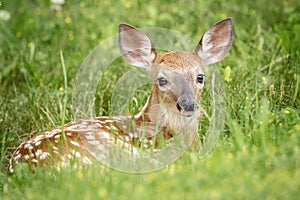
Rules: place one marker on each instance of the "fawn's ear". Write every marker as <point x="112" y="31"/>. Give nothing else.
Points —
<point x="216" y="42"/>
<point x="135" y="46"/>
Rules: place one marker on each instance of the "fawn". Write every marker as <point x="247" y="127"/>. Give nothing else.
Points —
<point x="178" y="78"/>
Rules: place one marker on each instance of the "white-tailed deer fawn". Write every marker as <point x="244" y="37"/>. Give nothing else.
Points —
<point x="178" y="78"/>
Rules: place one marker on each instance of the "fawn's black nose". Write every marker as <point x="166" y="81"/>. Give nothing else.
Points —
<point x="187" y="104"/>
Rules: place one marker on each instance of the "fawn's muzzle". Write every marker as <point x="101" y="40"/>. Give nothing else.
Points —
<point x="186" y="104"/>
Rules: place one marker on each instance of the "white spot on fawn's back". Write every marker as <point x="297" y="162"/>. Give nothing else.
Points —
<point x="94" y="142"/>
<point x="37" y="143"/>
<point x="17" y="157"/>
<point x="44" y="155"/>
<point x="26" y="157"/>
<point x="86" y="160"/>
<point x="74" y="143"/>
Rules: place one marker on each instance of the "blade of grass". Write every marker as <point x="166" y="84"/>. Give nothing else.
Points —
<point x="3" y="150"/>
<point x="62" y="60"/>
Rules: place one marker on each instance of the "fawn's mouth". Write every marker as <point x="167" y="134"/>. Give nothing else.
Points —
<point x="195" y="113"/>
<point x="187" y="114"/>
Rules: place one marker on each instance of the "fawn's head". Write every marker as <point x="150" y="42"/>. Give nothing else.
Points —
<point x="178" y="76"/>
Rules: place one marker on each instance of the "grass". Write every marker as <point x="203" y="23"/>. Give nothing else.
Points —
<point x="257" y="156"/>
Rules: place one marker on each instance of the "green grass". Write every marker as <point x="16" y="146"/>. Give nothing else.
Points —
<point x="258" y="154"/>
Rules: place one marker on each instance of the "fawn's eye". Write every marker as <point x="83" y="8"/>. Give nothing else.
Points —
<point x="200" y="78"/>
<point x="162" y="81"/>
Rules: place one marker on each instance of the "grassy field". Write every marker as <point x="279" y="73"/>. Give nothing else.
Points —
<point x="258" y="154"/>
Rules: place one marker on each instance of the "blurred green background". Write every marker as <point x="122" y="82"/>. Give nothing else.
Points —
<point x="258" y="155"/>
